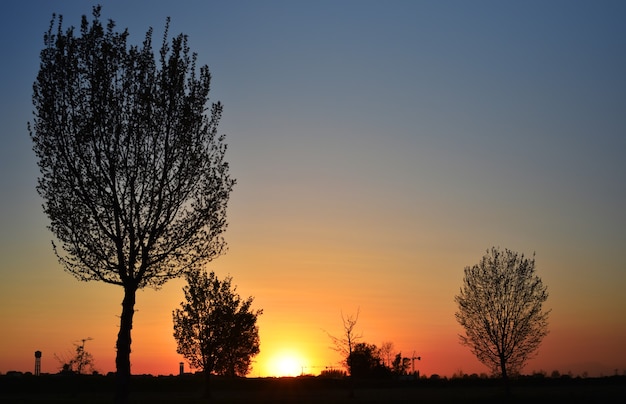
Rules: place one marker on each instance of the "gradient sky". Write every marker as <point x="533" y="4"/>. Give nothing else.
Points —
<point x="379" y="148"/>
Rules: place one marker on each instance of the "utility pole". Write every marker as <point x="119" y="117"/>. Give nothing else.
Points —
<point x="413" y="361"/>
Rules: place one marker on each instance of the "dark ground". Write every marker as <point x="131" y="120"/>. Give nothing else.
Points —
<point x="19" y="388"/>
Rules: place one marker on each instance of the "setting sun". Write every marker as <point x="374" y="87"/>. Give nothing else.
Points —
<point x="287" y="364"/>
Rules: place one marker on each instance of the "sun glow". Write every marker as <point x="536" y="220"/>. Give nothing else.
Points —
<point x="287" y="364"/>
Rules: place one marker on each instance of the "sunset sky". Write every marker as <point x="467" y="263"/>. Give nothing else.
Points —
<point x="379" y="147"/>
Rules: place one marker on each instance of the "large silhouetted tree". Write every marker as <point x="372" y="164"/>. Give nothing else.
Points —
<point x="500" y="305"/>
<point x="216" y="331"/>
<point x="133" y="174"/>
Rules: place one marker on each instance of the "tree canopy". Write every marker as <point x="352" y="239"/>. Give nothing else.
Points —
<point x="365" y="362"/>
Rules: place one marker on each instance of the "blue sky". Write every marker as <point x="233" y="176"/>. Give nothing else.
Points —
<point x="381" y="146"/>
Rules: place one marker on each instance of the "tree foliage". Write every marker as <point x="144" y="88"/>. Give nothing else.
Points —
<point x="216" y="331"/>
<point x="401" y="364"/>
<point x="365" y="362"/>
<point x="500" y="306"/>
<point x="133" y="175"/>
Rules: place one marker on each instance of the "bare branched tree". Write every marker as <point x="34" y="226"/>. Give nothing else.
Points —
<point x="500" y="308"/>
<point x="345" y="344"/>
<point x="386" y="351"/>
<point x="133" y="174"/>
<point x="79" y="362"/>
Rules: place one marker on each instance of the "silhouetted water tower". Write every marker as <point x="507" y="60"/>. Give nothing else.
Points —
<point x="37" y="363"/>
<point x="182" y="368"/>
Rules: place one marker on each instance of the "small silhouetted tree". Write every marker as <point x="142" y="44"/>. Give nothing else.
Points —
<point x="79" y="362"/>
<point x="133" y="174"/>
<point x="365" y="362"/>
<point x="400" y="365"/>
<point x="500" y="306"/>
<point x="215" y="330"/>
<point x="345" y="344"/>
<point x="386" y="350"/>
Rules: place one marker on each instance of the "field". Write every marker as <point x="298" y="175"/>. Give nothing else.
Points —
<point x="188" y="389"/>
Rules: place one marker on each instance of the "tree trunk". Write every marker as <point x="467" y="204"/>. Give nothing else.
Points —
<point x="122" y="360"/>
<point x="505" y="378"/>
<point x="207" y="384"/>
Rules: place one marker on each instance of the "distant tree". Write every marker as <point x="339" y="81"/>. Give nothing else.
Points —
<point x="79" y="362"/>
<point x="333" y="373"/>
<point x="400" y="365"/>
<point x="216" y="331"/>
<point x="500" y="305"/>
<point x="133" y="174"/>
<point x="365" y="362"/>
<point x="386" y="350"/>
<point x="345" y="344"/>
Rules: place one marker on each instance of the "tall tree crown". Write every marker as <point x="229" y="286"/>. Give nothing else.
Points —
<point x="133" y="174"/>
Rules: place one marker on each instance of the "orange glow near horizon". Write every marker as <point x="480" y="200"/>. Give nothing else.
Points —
<point x="286" y="364"/>
<point x="294" y="327"/>
<point x="293" y="333"/>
